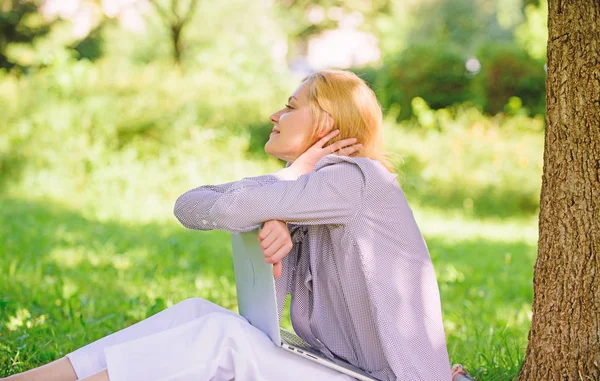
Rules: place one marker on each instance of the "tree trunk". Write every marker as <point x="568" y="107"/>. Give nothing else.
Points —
<point x="177" y="43"/>
<point x="564" y="340"/>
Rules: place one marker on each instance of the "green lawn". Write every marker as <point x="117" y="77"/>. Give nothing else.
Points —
<point x="68" y="280"/>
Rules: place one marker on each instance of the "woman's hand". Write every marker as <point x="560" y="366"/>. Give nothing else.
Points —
<point x="307" y="161"/>
<point x="275" y="243"/>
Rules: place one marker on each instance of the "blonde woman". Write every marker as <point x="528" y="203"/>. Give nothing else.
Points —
<point x="343" y="241"/>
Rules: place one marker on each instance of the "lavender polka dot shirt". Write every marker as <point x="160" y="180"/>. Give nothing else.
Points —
<point x="362" y="284"/>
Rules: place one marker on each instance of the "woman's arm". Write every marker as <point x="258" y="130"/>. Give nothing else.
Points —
<point x="330" y="195"/>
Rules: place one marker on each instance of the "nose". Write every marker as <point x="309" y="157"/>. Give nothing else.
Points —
<point x="275" y="117"/>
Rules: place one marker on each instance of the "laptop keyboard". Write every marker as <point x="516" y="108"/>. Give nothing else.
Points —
<point x="296" y="341"/>
<point x="293" y="339"/>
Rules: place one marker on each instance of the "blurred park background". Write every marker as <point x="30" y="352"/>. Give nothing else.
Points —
<point x="110" y="109"/>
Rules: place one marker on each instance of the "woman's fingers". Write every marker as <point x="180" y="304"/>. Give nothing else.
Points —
<point x="356" y="148"/>
<point x="270" y="232"/>
<point x="326" y="138"/>
<point x="275" y="243"/>
<point x="264" y="232"/>
<point x="347" y="147"/>
<point x="277" y="250"/>
<point x="344" y="147"/>
<point x="281" y="252"/>
<point x="347" y="151"/>
<point x="266" y="242"/>
<point x="274" y="248"/>
<point x="341" y="144"/>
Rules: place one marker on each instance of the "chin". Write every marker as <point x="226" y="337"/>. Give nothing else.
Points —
<point x="268" y="150"/>
<point x="280" y="155"/>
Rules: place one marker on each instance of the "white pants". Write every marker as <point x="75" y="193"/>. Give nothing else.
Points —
<point x="195" y="340"/>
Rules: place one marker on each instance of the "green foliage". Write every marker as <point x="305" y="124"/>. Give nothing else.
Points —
<point x="532" y="35"/>
<point x="298" y="25"/>
<point x="221" y="39"/>
<point x="437" y="74"/>
<point x="464" y="24"/>
<point x="508" y="71"/>
<point x="91" y="47"/>
<point x="176" y="16"/>
<point x="458" y="159"/>
<point x="20" y="23"/>
<point x="434" y="72"/>
<point x="113" y="122"/>
<point x="432" y="43"/>
<point x="509" y="13"/>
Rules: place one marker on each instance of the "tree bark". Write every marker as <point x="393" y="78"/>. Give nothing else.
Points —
<point x="564" y="340"/>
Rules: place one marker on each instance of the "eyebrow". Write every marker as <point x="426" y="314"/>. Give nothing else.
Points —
<point x="290" y="98"/>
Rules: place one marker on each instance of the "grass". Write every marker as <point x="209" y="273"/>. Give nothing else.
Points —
<point x="70" y="280"/>
<point x="485" y="286"/>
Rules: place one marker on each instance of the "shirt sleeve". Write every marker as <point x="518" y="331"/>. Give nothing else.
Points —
<point x="330" y="195"/>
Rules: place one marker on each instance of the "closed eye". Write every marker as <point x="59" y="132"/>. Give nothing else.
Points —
<point x="288" y="107"/>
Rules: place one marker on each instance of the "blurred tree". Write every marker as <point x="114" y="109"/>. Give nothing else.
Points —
<point x="466" y="24"/>
<point x="449" y="51"/>
<point x="509" y="13"/>
<point x="507" y="71"/>
<point x="176" y="15"/>
<point x="564" y="337"/>
<point x="532" y="35"/>
<point x="311" y="17"/>
<point x="20" y="22"/>
<point x="91" y="47"/>
<point x="434" y="72"/>
<point x="303" y="19"/>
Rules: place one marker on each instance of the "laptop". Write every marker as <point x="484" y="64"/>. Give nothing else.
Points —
<point x="257" y="303"/>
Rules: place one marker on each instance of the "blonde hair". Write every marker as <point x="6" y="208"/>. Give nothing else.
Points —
<point x="354" y="108"/>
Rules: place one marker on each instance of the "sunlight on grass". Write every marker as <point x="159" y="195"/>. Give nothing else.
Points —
<point x="94" y="277"/>
<point x="68" y="257"/>
<point x="458" y="226"/>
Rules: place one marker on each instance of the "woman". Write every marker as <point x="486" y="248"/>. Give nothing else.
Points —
<point x="343" y="242"/>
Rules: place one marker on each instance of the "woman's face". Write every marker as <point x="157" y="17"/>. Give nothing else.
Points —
<point x="293" y="125"/>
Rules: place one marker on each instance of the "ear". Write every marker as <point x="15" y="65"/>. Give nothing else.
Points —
<point x="329" y="122"/>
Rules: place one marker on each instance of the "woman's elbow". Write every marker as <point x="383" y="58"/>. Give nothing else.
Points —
<point x="199" y="213"/>
<point x="184" y="212"/>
